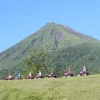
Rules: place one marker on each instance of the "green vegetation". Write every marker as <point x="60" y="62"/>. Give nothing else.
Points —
<point x="70" y="88"/>
<point x="39" y="61"/>
<point x="76" y="57"/>
<point x="66" y="47"/>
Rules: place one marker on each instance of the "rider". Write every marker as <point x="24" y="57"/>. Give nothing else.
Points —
<point x="53" y="73"/>
<point x="69" y="71"/>
<point x="29" y="75"/>
<point x="84" y="70"/>
<point x="18" y="76"/>
<point x="39" y="74"/>
<point x="9" y="76"/>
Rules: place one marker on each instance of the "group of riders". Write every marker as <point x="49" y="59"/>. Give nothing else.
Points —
<point x="84" y="72"/>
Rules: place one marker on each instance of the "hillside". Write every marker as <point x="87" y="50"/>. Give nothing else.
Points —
<point x="71" y="88"/>
<point x="72" y="48"/>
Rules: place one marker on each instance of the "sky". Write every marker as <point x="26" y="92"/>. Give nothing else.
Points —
<point x="21" y="18"/>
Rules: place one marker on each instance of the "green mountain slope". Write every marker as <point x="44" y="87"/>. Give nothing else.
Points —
<point x="60" y="41"/>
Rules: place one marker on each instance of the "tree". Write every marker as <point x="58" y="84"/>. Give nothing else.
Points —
<point x="40" y="60"/>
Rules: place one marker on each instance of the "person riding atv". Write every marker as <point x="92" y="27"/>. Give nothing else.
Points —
<point x="68" y="73"/>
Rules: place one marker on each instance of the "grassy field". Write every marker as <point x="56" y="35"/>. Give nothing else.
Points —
<point x="70" y="88"/>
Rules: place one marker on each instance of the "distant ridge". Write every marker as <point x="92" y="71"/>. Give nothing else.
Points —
<point x="75" y="32"/>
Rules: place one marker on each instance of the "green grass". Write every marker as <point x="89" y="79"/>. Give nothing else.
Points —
<point x="70" y="88"/>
